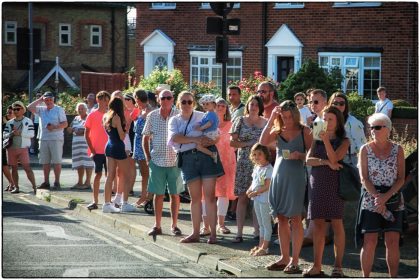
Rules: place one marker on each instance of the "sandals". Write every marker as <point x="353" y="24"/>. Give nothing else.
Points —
<point x="260" y="252"/>
<point x="337" y="273"/>
<point x="292" y="269"/>
<point x="212" y="241"/>
<point x="307" y="273"/>
<point x="223" y="229"/>
<point x="276" y="266"/>
<point x="251" y="252"/>
<point x="190" y="239"/>
<point x="238" y="239"/>
<point x="204" y="231"/>
<point x="15" y="190"/>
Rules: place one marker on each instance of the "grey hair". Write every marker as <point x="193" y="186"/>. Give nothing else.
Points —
<point x="382" y="118"/>
<point x="81" y="104"/>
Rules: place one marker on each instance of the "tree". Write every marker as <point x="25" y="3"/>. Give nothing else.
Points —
<point x="310" y="75"/>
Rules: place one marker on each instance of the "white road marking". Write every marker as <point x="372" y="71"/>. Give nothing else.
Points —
<point x="174" y="272"/>
<point x="76" y="272"/>
<point x="122" y="240"/>
<point x="150" y="253"/>
<point x="52" y="231"/>
<point x="29" y="201"/>
<point x="193" y="272"/>
<point x="69" y="245"/>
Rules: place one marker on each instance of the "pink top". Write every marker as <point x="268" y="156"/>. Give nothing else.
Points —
<point x="97" y="134"/>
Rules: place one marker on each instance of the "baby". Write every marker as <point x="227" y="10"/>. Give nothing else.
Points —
<point x="209" y="124"/>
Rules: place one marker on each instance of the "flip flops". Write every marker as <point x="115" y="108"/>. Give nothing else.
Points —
<point x="337" y="273"/>
<point x="310" y="273"/>
<point x="292" y="269"/>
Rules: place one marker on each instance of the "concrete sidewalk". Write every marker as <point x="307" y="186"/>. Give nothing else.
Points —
<point x="224" y="255"/>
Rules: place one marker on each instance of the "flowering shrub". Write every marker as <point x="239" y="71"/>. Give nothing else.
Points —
<point x="174" y="78"/>
<point x="10" y="98"/>
<point x="249" y="86"/>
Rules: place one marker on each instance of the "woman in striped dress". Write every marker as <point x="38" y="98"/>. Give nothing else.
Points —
<point x="80" y="159"/>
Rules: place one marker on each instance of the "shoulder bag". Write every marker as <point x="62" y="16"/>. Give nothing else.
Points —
<point x="350" y="185"/>
<point x="8" y="141"/>
<point x="179" y="154"/>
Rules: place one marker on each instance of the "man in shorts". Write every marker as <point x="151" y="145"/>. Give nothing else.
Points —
<point x="52" y="121"/>
<point x="162" y="161"/>
<point x="96" y="138"/>
<point x="21" y="129"/>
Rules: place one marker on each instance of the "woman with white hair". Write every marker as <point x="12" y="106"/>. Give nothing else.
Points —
<point x="80" y="159"/>
<point x="382" y="170"/>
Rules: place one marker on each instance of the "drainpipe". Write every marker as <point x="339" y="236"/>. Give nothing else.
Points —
<point x="264" y="38"/>
<point x="408" y="74"/>
<point x="31" y="51"/>
<point x="112" y="40"/>
<point x="126" y="44"/>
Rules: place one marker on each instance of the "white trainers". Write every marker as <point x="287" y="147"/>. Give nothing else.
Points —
<point x="109" y="208"/>
<point x="117" y="200"/>
<point x="128" y="208"/>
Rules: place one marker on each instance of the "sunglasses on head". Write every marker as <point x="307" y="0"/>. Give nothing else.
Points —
<point x="314" y="102"/>
<point x="339" y="103"/>
<point x="377" y="127"/>
<point x="16" y="109"/>
<point x="189" y="102"/>
<point x="288" y="106"/>
<point x="261" y="91"/>
<point x="166" y="97"/>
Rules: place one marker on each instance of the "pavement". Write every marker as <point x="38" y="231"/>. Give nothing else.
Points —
<point x="225" y="256"/>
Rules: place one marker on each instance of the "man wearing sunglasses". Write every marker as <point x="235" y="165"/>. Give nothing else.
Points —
<point x="268" y="94"/>
<point x="21" y="129"/>
<point x="317" y="103"/>
<point x="52" y="121"/>
<point x="161" y="159"/>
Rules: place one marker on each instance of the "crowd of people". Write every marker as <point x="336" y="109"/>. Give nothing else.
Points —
<point x="284" y="158"/>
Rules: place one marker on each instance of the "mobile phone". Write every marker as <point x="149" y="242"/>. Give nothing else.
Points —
<point x="285" y="153"/>
<point x="317" y="128"/>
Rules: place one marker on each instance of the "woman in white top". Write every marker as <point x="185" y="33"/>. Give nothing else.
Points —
<point x="354" y="128"/>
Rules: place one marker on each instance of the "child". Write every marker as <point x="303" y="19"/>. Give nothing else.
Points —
<point x="258" y="191"/>
<point x="209" y="124"/>
<point x="304" y="111"/>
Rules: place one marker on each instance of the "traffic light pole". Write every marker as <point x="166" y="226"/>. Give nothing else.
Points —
<point x="224" y="72"/>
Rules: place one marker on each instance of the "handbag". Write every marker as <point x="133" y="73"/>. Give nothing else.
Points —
<point x="394" y="202"/>
<point x="179" y="154"/>
<point x="350" y="185"/>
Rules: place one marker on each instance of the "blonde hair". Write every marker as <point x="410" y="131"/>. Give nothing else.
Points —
<point x="287" y="105"/>
<point x="181" y="94"/>
<point x="259" y="147"/>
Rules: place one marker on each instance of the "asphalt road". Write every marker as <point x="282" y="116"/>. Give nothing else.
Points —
<point x="40" y="241"/>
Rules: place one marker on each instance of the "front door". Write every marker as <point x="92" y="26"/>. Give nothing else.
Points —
<point x="285" y="66"/>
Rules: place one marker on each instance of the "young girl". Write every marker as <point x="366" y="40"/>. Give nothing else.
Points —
<point x="258" y="191"/>
<point x="209" y="124"/>
<point x="304" y="110"/>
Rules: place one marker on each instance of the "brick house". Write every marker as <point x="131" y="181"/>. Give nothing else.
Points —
<point x="373" y="43"/>
<point x="85" y="37"/>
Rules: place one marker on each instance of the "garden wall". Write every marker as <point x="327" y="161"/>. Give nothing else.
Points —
<point x="94" y="82"/>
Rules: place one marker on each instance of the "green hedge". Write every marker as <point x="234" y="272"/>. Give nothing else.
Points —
<point x="405" y="112"/>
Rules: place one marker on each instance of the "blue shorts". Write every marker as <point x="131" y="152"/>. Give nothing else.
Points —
<point x="100" y="162"/>
<point x="161" y="178"/>
<point x="197" y="165"/>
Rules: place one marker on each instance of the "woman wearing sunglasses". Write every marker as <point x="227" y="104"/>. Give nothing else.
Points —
<point x="382" y="170"/>
<point x="354" y="128"/>
<point x="199" y="172"/>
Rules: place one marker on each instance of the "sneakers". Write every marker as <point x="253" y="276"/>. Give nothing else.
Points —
<point x="117" y="200"/>
<point x="44" y="186"/>
<point x="128" y="208"/>
<point x="92" y="206"/>
<point x="109" y="208"/>
<point x="56" y="187"/>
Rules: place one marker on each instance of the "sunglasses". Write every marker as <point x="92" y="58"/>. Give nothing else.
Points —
<point x="261" y="91"/>
<point x="16" y="109"/>
<point x="377" y="127"/>
<point x="166" y="97"/>
<point x="339" y="103"/>
<point x="314" y="102"/>
<point x="184" y="102"/>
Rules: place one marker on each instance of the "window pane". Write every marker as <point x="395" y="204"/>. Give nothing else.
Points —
<point x="352" y="80"/>
<point x="371" y="83"/>
<point x="95" y="40"/>
<point x="335" y="61"/>
<point x="204" y="75"/>
<point x="10" y="37"/>
<point x="64" y="39"/>
<point x="194" y="60"/>
<point x="64" y="28"/>
<point x="204" y="60"/>
<point x="216" y="73"/>
<point x="351" y="61"/>
<point x="95" y="29"/>
<point x="323" y="61"/>
<point x="372" y="62"/>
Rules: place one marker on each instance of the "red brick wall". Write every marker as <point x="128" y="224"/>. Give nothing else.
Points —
<point x="392" y="26"/>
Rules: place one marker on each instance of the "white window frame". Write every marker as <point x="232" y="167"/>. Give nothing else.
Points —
<point x="356" y="4"/>
<point x="211" y="56"/>
<point x="360" y="65"/>
<point x="163" y="6"/>
<point x="289" y="5"/>
<point x="206" y="6"/>
<point x="64" y="32"/>
<point x="10" y="30"/>
<point x="95" y="33"/>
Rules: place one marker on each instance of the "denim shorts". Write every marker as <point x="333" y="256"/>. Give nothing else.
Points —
<point x="197" y="165"/>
